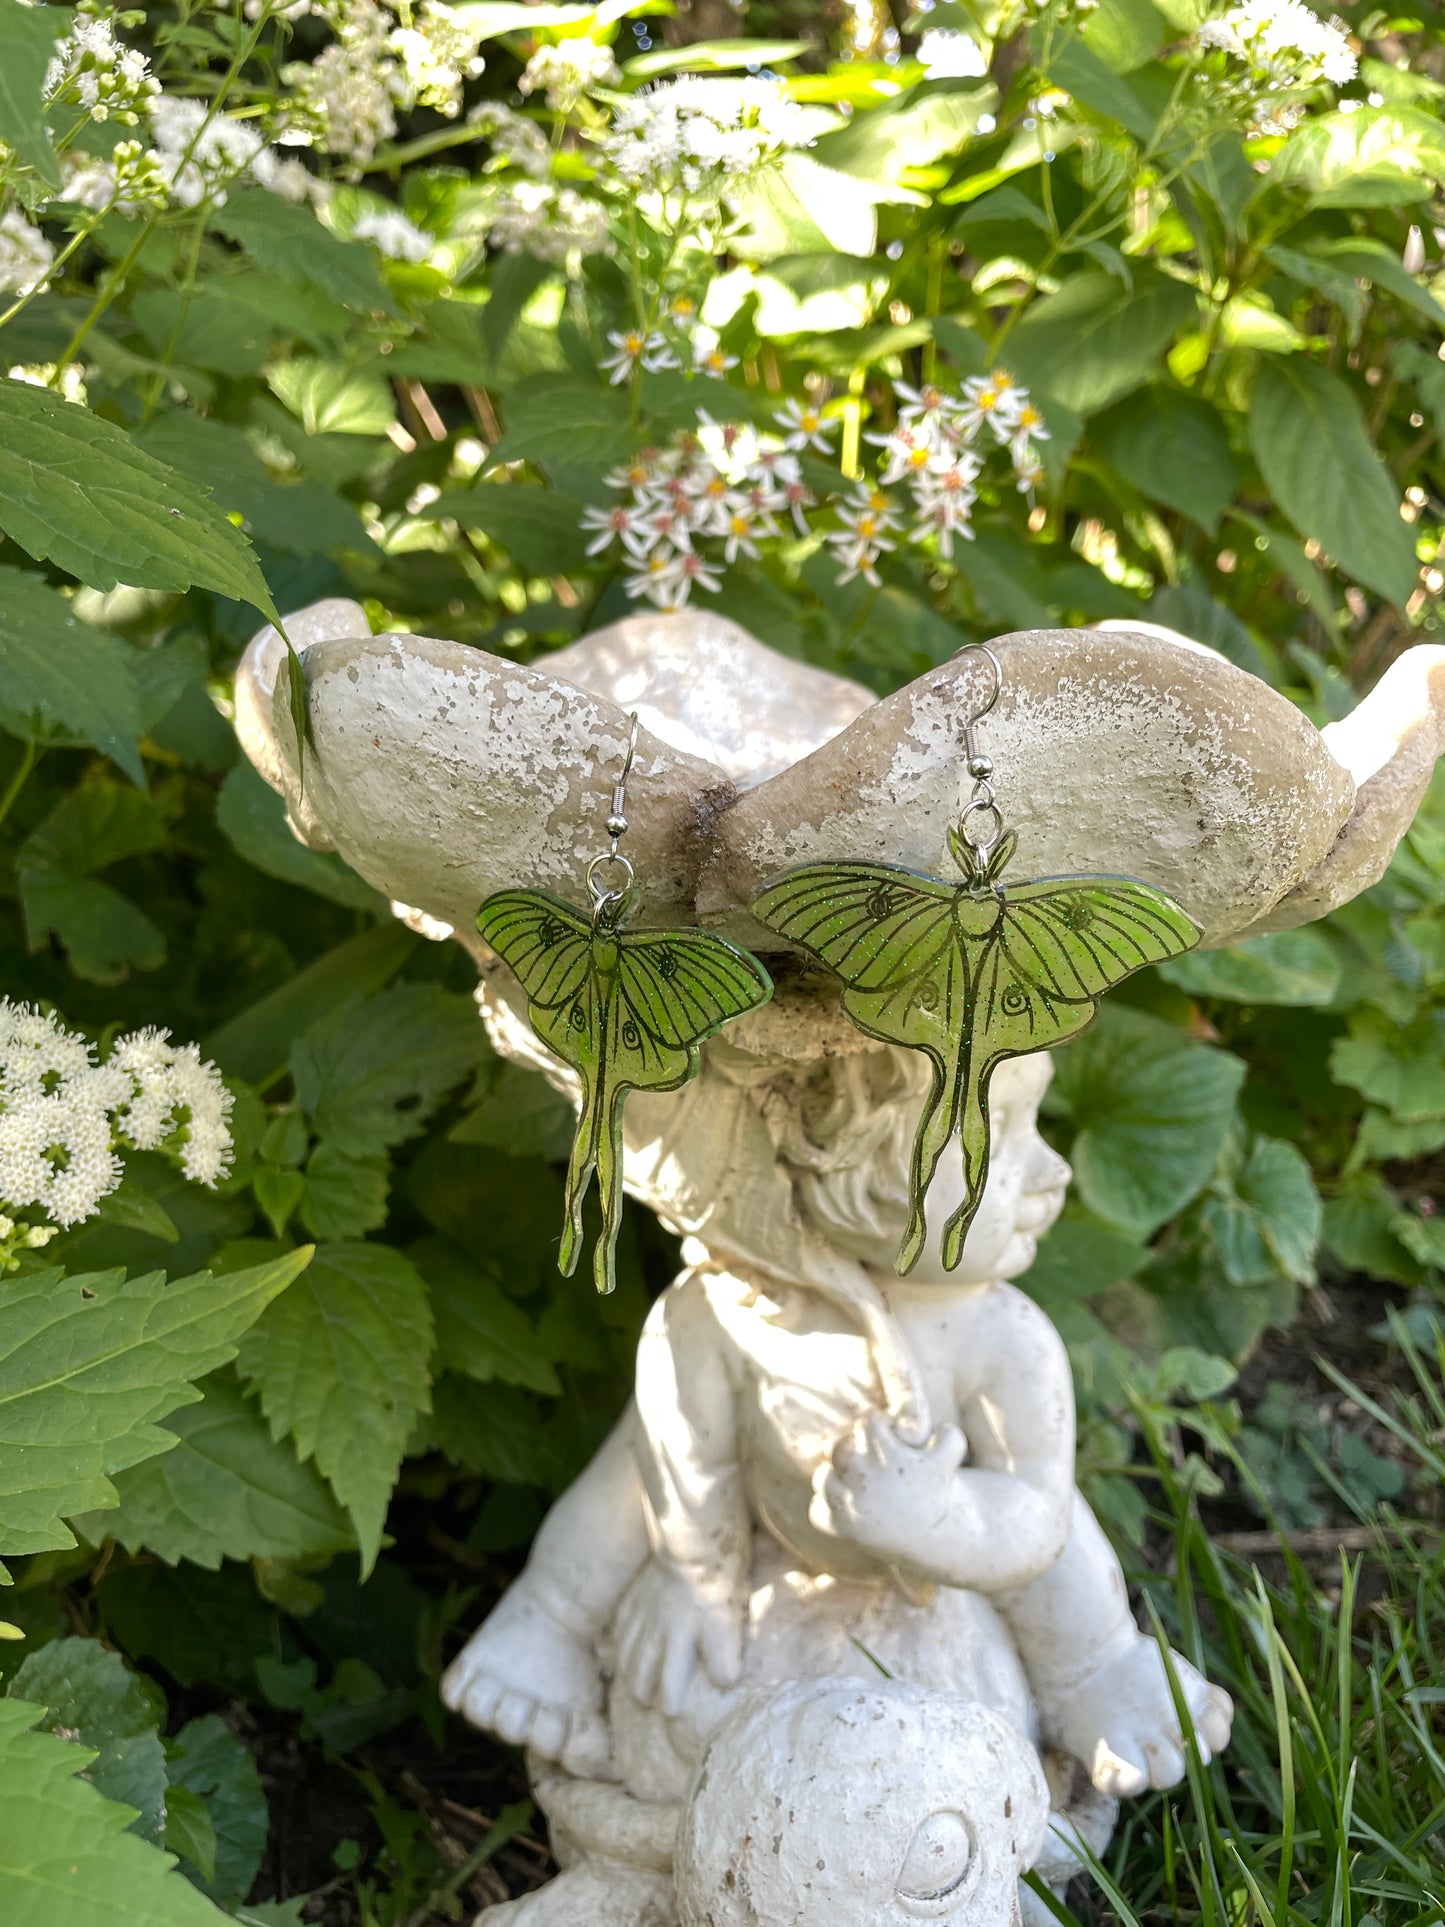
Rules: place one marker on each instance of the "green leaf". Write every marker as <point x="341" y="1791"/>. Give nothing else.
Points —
<point x="1151" y="1110"/>
<point x="911" y="130"/>
<point x="206" y="1760"/>
<point x="66" y="1859"/>
<point x="341" y="1364"/>
<point x="256" y="1044"/>
<point x="370" y="1074"/>
<point x="300" y="517"/>
<point x="517" y="1111"/>
<point x="1372" y="261"/>
<point x="1078" y="1259"/>
<point x="538" y="528"/>
<point x="479" y="1330"/>
<point x="1360" y="1232"/>
<point x="1094" y="341"/>
<point x="253" y="817"/>
<point x="1373" y="157"/>
<point x="1294" y="967"/>
<point x="75" y="490"/>
<point x="495" y="1431"/>
<point x="1399" y="1067"/>
<point x="88" y="1364"/>
<point x="1268" y="1221"/>
<point x="333" y="397"/>
<point x="344" y="1196"/>
<point x="1191" y="610"/>
<point x="189" y="1833"/>
<point x="202" y="1627"/>
<point x="227" y="1491"/>
<point x="1174" y="449"/>
<point x="289" y="239"/>
<point x="97" y="824"/>
<point x="1309" y="438"/>
<point x="95" y="1700"/>
<point x="557" y="419"/>
<point x="60" y="669"/>
<point x="713" y="57"/>
<point x="28" y="39"/>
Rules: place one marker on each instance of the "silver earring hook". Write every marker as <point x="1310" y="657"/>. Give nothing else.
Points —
<point x="605" y="894"/>
<point x="981" y="809"/>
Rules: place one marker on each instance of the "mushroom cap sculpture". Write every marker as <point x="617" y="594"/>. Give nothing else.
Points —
<point x="442" y="773"/>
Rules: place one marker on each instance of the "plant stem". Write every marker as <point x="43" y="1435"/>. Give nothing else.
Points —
<point x="29" y="758"/>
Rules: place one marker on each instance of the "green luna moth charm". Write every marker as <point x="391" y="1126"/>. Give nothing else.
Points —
<point x="627" y="1010"/>
<point x="971" y="972"/>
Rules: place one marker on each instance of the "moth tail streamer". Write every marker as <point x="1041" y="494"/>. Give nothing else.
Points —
<point x="974" y="1144"/>
<point x="609" y="1185"/>
<point x="935" y="1128"/>
<point x="580" y="1167"/>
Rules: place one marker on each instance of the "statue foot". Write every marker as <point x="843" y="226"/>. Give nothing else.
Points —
<point x="534" y="1682"/>
<point x="1122" y="1724"/>
<point x="593" y="1894"/>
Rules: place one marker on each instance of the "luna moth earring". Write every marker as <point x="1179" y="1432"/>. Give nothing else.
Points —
<point x="627" y="1010"/>
<point x="971" y="972"/>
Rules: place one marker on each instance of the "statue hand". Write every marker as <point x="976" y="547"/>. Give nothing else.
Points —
<point x="668" y="1621"/>
<point x="883" y="1493"/>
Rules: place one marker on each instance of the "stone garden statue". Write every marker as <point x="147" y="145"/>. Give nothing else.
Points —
<point x="825" y="1636"/>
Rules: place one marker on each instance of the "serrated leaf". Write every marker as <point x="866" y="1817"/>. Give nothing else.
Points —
<point x="76" y="491"/>
<point x="1152" y="1110"/>
<point x="1287" y="967"/>
<point x="1174" y="449"/>
<point x="300" y="517"/>
<point x="228" y="1490"/>
<point x="344" y="1196"/>
<point x="59" y="668"/>
<point x="1317" y="460"/>
<point x="206" y="1760"/>
<point x="370" y="1074"/>
<point x="95" y="1700"/>
<point x="88" y="1364"/>
<point x="342" y="1368"/>
<point x="556" y="419"/>
<point x="189" y="1833"/>
<point x="65" y="1854"/>
<point x="97" y="824"/>
<point x="253" y="817"/>
<point x="28" y="39"/>
<point x="517" y="1111"/>
<point x="479" y="1330"/>
<point x="333" y="397"/>
<point x="495" y="1431"/>
<point x="1269" y="1220"/>
<point x="290" y="240"/>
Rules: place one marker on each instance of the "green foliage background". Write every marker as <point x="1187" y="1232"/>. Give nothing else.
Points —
<point x="1242" y="380"/>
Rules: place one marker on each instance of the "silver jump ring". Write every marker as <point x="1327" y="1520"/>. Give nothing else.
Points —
<point x="604" y="893"/>
<point x="981" y="806"/>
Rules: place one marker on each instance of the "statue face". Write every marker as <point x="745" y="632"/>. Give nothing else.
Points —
<point x="1023" y="1194"/>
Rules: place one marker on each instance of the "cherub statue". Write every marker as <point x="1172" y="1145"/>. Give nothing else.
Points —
<point x="827" y="1471"/>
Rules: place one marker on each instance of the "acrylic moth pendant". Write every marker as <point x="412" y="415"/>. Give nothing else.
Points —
<point x="626" y="1010"/>
<point x="970" y="973"/>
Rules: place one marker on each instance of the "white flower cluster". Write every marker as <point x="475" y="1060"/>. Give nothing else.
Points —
<point x="64" y="1117"/>
<point x="724" y="483"/>
<point x="701" y="134"/>
<point x="199" y="154"/>
<point x="350" y="93"/>
<point x="556" y="224"/>
<point x="131" y="177"/>
<point x="1286" y="47"/>
<point x="25" y="254"/>
<point x="94" y="71"/>
<point x="393" y="235"/>
<point x="514" y="138"/>
<point x="565" y="72"/>
<point x="728" y="485"/>
<point x="932" y="450"/>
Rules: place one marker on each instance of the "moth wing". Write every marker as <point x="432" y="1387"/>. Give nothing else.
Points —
<point x="876" y="924"/>
<point x="544" y="942"/>
<point x="1073" y="938"/>
<point x="671" y="992"/>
